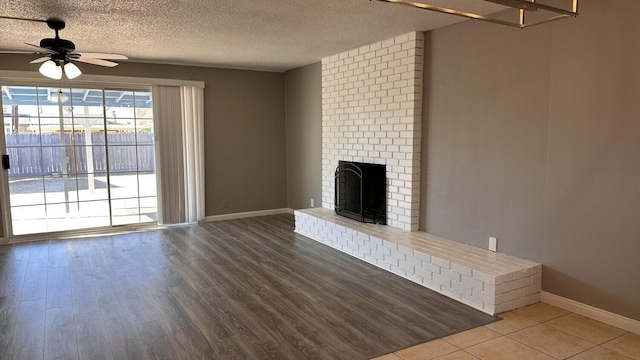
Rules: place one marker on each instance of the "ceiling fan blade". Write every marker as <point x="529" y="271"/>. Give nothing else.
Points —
<point x="94" y="55"/>
<point x="42" y="49"/>
<point x="24" y="19"/>
<point x="98" y="62"/>
<point x="20" y="52"/>
<point x="39" y="60"/>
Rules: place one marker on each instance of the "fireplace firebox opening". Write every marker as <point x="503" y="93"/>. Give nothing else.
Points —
<point x="361" y="192"/>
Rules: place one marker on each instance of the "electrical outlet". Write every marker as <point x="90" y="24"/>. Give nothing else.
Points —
<point x="225" y="203"/>
<point x="312" y="202"/>
<point x="493" y="244"/>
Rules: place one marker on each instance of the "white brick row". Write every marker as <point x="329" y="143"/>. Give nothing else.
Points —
<point x="488" y="281"/>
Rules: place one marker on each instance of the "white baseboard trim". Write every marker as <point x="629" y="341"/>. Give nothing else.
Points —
<point x="589" y="311"/>
<point x="247" y="214"/>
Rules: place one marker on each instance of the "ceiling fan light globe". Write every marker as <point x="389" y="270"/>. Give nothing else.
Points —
<point x="71" y="71"/>
<point x="51" y="70"/>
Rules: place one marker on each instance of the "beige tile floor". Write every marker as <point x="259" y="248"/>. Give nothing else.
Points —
<point x="539" y="331"/>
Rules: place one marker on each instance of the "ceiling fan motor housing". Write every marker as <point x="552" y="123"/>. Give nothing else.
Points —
<point x="61" y="47"/>
<point x="56" y="24"/>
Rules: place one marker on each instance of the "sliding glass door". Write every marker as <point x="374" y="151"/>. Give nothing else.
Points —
<point x="79" y="158"/>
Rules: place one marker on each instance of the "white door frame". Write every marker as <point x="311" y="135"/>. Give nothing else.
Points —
<point x="7" y="235"/>
<point x="33" y="78"/>
<point x="5" y="205"/>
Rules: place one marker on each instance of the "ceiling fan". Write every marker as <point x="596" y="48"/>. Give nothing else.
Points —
<point x="59" y="54"/>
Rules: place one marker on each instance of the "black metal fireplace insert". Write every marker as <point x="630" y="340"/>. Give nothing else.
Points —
<point x="361" y="192"/>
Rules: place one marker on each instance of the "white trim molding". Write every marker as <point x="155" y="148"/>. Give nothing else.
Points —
<point x="247" y="214"/>
<point x="592" y="312"/>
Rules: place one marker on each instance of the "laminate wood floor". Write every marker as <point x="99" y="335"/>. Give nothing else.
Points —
<point x="238" y="289"/>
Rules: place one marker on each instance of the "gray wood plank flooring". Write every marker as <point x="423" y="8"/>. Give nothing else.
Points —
<point x="238" y="289"/>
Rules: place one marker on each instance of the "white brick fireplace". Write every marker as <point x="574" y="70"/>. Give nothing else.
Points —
<point x="372" y="113"/>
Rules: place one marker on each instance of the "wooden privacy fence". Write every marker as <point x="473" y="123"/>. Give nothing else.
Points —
<point x="42" y="154"/>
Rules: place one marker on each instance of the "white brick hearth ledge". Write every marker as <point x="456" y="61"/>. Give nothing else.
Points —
<point x="488" y="281"/>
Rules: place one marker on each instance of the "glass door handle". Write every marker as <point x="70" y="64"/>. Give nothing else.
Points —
<point x="6" y="163"/>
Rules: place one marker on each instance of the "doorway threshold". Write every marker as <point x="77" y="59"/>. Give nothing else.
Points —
<point x="85" y="233"/>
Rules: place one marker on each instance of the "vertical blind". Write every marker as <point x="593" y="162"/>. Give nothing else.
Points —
<point x="193" y="138"/>
<point x="179" y="121"/>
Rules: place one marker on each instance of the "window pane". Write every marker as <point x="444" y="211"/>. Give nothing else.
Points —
<point x="58" y="160"/>
<point x="55" y="189"/>
<point x="19" y="139"/>
<point x="50" y="132"/>
<point x="124" y="185"/>
<point x="122" y="158"/>
<point x="90" y="159"/>
<point x="149" y="209"/>
<point x="122" y="138"/>
<point x="125" y="211"/>
<point x="87" y="103"/>
<point x="146" y="158"/>
<point x="147" y="184"/>
<point x="95" y="213"/>
<point x="144" y="131"/>
<point x="26" y="191"/>
<point x="63" y="217"/>
<point x="28" y="219"/>
<point x="144" y="104"/>
<point x="25" y="161"/>
<point x="92" y="187"/>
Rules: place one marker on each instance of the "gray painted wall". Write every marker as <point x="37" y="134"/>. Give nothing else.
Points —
<point x="484" y="147"/>
<point x="592" y="240"/>
<point x="245" y="159"/>
<point x="304" y="136"/>
<point x="533" y="136"/>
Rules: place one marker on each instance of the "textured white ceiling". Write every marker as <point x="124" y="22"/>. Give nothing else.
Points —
<point x="272" y="35"/>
